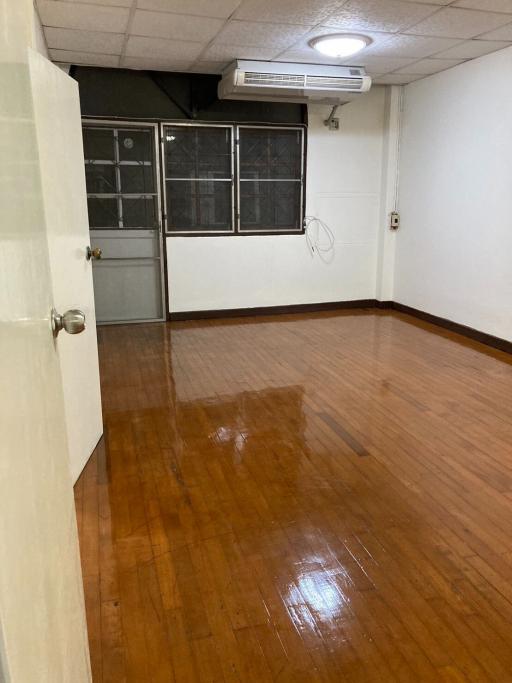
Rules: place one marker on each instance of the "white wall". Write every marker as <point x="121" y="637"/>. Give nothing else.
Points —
<point x="453" y="250"/>
<point x="344" y="176"/>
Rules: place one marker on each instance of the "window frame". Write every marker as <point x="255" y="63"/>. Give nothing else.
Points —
<point x="235" y="180"/>
<point x="136" y="126"/>
<point x="196" y="233"/>
<point x="154" y="127"/>
<point x="293" y="231"/>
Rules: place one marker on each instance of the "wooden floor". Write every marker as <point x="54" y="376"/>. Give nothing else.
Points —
<point x="299" y="499"/>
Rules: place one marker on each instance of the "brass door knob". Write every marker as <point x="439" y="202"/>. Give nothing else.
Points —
<point x="93" y="253"/>
<point x="73" y="321"/>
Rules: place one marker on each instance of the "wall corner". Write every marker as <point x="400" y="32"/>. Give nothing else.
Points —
<point x="386" y="244"/>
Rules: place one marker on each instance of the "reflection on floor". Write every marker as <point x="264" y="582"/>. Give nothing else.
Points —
<point x="299" y="499"/>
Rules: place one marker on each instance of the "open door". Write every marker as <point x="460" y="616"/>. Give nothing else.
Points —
<point x="43" y="637"/>
<point x="122" y="171"/>
<point x="59" y="140"/>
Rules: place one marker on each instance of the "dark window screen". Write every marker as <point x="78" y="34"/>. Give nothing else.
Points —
<point x="270" y="179"/>
<point x="270" y="206"/>
<point x="121" y="177"/>
<point x="267" y="153"/>
<point x="99" y="144"/>
<point x="198" y="178"/>
<point x="199" y="205"/>
<point x="198" y="152"/>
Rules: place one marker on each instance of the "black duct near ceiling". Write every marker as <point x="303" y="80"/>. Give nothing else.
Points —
<point x="164" y="95"/>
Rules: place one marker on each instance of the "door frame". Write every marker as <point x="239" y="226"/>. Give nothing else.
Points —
<point x="134" y="123"/>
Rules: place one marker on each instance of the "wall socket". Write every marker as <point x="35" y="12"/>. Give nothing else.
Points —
<point x="394" y="220"/>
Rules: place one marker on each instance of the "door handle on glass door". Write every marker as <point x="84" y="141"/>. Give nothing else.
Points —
<point x="73" y="321"/>
<point x="93" y="253"/>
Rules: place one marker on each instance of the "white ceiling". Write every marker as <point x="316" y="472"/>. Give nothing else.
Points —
<point x="411" y="39"/>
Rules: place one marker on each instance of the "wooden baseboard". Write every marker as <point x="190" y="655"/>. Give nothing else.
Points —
<point x="469" y="332"/>
<point x="273" y="310"/>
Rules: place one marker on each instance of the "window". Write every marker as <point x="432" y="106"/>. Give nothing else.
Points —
<point x="270" y="179"/>
<point x="120" y="176"/>
<point x="199" y="178"/>
<point x="210" y="189"/>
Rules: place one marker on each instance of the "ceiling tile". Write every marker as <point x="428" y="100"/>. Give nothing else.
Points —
<point x="397" y="79"/>
<point x="155" y="64"/>
<point x="115" y="3"/>
<point x="287" y="11"/>
<point x="430" y="66"/>
<point x="307" y="56"/>
<point x="72" y="57"/>
<point x="209" y="67"/>
<point x="459" y="23"/>
<point x="503" y="33"/>
<point x="374" y="72"/>
<point x="381" y="64"/>
<point x="84" y="41"/>
<point x="218" y="53"/>
<point x="487" y="5"/>
<point x="470" y="49"/>
<point x="260" y="34"/>
<point x="432" y="2"/>
<point x="80" y="16"/>
<point x="199" y="8"/>
<point x="161" y="49"/>
<point x="174" y="26"/>
<point x="400" y="45"/>
<point x="190" y="35"/>
<point x="379" y="15"/>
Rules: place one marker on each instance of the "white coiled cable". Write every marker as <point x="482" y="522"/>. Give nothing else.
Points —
<point x="319" y="236"/>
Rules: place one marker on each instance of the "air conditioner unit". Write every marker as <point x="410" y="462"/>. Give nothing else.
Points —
<point x="287" y="82"/>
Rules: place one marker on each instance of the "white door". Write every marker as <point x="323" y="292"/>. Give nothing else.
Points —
<point x="59" y="139"/>
<point x="43" y="635"/>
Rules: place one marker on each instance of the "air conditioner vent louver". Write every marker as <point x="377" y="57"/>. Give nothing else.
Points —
<point x="258" y="81"/>
<point x="283" y="80"/>
<point x="334" y="83"/>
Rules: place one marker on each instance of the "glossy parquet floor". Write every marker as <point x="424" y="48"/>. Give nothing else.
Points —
<point x="299" y="499"/>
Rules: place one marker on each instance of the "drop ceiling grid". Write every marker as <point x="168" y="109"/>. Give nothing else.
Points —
<point x="411" y="39"/>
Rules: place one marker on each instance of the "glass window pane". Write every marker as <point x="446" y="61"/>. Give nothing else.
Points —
<point x="199" y="206"/>
<point x="100" y="179"/>
<point x="102" y="213"/>
<point x="137" y="179"/>
<point x="139" y="212"/>
<point x="197" y="152"/>
<point x="135" y="145"/>
<point x="270" y="206"/>
<point x="270" y="153"/>
<point x="99" y="144"/>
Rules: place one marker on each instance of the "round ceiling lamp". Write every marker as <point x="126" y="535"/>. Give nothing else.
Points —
<point x="340" y="44"/>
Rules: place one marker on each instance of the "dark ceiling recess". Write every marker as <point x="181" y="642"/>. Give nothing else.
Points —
<point x="163" y="95"/>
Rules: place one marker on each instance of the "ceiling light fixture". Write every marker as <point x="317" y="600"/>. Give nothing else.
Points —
<point x="340" y="44"/>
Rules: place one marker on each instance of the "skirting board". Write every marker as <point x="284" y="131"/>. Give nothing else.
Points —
<point x="272" y="310"/>
<point x="464" y="330"/>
